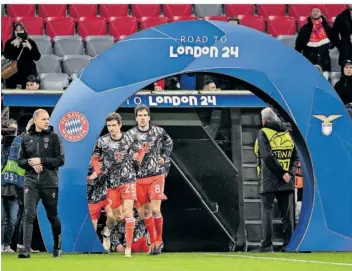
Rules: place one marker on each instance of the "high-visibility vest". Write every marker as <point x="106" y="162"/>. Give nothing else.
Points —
<point x="282" y="146"/>
<point x="11" y="172"/>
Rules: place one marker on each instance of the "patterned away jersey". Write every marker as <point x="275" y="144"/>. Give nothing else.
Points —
<point x="118" y="164"/>
<point x="118" y="232"/>
<point x="156" y="143"/>
<point x="97" y="188"/>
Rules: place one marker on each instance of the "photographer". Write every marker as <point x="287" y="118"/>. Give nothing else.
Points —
<point x="11" y="182"/>
<point x="25" y="65"/>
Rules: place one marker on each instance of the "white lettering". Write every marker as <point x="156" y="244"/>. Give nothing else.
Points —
<point x="172" y="54"/>
<point x="159" y="99"/>
<point x="184" y="99"/>
<point x="151" y="102"/>
<point x="183" y="39"/>
<point x="137" y="100"/>
<point x="223" y="39"/>
<point x="212" y="100"/>
<point x="193" y="100"/>
<point x="176" y="100"/>
<point x="216" y="38"/>
<point x="168" y="99"/>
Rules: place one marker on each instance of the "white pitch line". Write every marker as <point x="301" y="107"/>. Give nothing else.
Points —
<point x="278" y="259"/>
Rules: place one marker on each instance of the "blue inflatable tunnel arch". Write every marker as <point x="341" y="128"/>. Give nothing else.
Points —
<point x="284" y="77"/>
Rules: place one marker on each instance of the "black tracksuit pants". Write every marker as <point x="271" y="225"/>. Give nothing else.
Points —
<point x="285" y="203"/>
<point x="49" y="197"/>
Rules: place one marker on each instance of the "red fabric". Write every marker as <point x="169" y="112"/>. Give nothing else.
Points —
<point x="149" y="223"/>
<point x="159" y="222"/>
<point x="129" y="226"/>
<point x="318" y="32"/>
<point x="96" y="164"/>
<point x="140" y="246"/>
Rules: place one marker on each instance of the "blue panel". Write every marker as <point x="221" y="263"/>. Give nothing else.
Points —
<point x="281" y="74"/>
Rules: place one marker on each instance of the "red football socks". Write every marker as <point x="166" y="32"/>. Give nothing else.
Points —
<point x="129" y="230"/>
<point x="149" y="223"/>
<point x="159" y="221"/>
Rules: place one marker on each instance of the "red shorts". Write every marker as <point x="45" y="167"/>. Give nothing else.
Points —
<point x="95" y="208"/>
<point x="140" y="246"/>
<point x="117" y="195"/>
<point x="150" y="188"/>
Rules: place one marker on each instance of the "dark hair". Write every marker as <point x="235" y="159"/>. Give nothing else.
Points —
<point x="234" y="19"/>
<point x="207" y="82"/>
<point x="114" y="116"/>
<point x="141" y="107"/>
<point x="33" y="78"/>
<point x="15" y="26"/>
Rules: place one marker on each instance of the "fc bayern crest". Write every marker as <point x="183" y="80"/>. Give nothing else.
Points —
<point x="73" y="126"/>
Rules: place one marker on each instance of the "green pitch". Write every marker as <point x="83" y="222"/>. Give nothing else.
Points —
<point x="182" y="261"/>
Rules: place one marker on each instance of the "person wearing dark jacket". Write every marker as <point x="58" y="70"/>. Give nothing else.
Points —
<point x="11" y="182"/>
<point x="314" y="41"/>
<point x="344" y="86"/>
<point x="25" y="65"/>
<point x="278" y="161"/>
<point x="342" y="35"/>
<point x="41" y="156"/>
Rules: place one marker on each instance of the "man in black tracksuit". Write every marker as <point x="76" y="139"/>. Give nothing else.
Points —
<point x="41" y="156"/>
<point x="278" y="161"/>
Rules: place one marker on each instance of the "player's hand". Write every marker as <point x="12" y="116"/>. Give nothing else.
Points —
<point x="135" y="156"/>
<point x="161" y="161"/>
<point x="16" y="42"/>
<point x="93" y="176"/>
<point x="34" y="161"/>
<point x="27" y="44"/>
<point x="38" y="168"/>
<point x="287" y="177"/>
<point x="120" y="248"/>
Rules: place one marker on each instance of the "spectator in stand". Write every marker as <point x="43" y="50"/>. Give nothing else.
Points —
<point x="18" y="43"/>
<point x="233" y="20"/>
<point x="32" y="83"/>
<point x="172" y="83"/>
<point x="209" y="85"/>
<point x="314" y="40"/>
<point x="342" y="35"/>
<point x="344" y="86"/>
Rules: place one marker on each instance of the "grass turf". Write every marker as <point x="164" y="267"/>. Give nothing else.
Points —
<point x="181" y="262"/>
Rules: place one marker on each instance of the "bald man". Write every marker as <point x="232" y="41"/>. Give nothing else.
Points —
<point x="41" y="156"/>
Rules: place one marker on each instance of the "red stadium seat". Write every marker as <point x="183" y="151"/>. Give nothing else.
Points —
<point x="16" y="10"/>
<point x="171" y="10"/>
<point x="122" y="26"/>
<point x="147" y="22"/>
<point x="57" y="10"/>
<point x="6" y="28"/>
<point x="59" y="26"/>
<point x="86" y="10"/>
<point x="216" y="18"/>
<point x="280" y="25"/>
<point x="118" y="10"/>
<point x="183" y="18"/>
<point x="91" y="26"/>
<point x="34" y="25"/>
<point x="256" y="22"/>
<point x="302" y="20"/>
<point x="232" y="10"/>
<point x="300" y="10"/>
<point x="148" y="10"/>
<point x="267" y="10"/>
<point x="333" y="10"/>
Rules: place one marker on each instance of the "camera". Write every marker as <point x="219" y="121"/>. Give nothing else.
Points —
<point x="23" y="36"/>
<point x="7" y="136"/>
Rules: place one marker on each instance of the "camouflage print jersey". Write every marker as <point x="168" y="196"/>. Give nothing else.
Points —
<point x="118" y="164"/>
<point x="96" y="189"/>
<point x="156" y="143"/>
<point x="117" y="236"/>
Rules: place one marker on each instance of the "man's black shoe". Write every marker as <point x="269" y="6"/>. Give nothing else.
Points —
<point x="263" y="249"/>
<point x="56" y="253"/>
<point x="24" y="255"/>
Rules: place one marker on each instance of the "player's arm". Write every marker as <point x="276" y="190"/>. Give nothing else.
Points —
<point x="97" y="154"/>
<point x="167" y="145"/>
